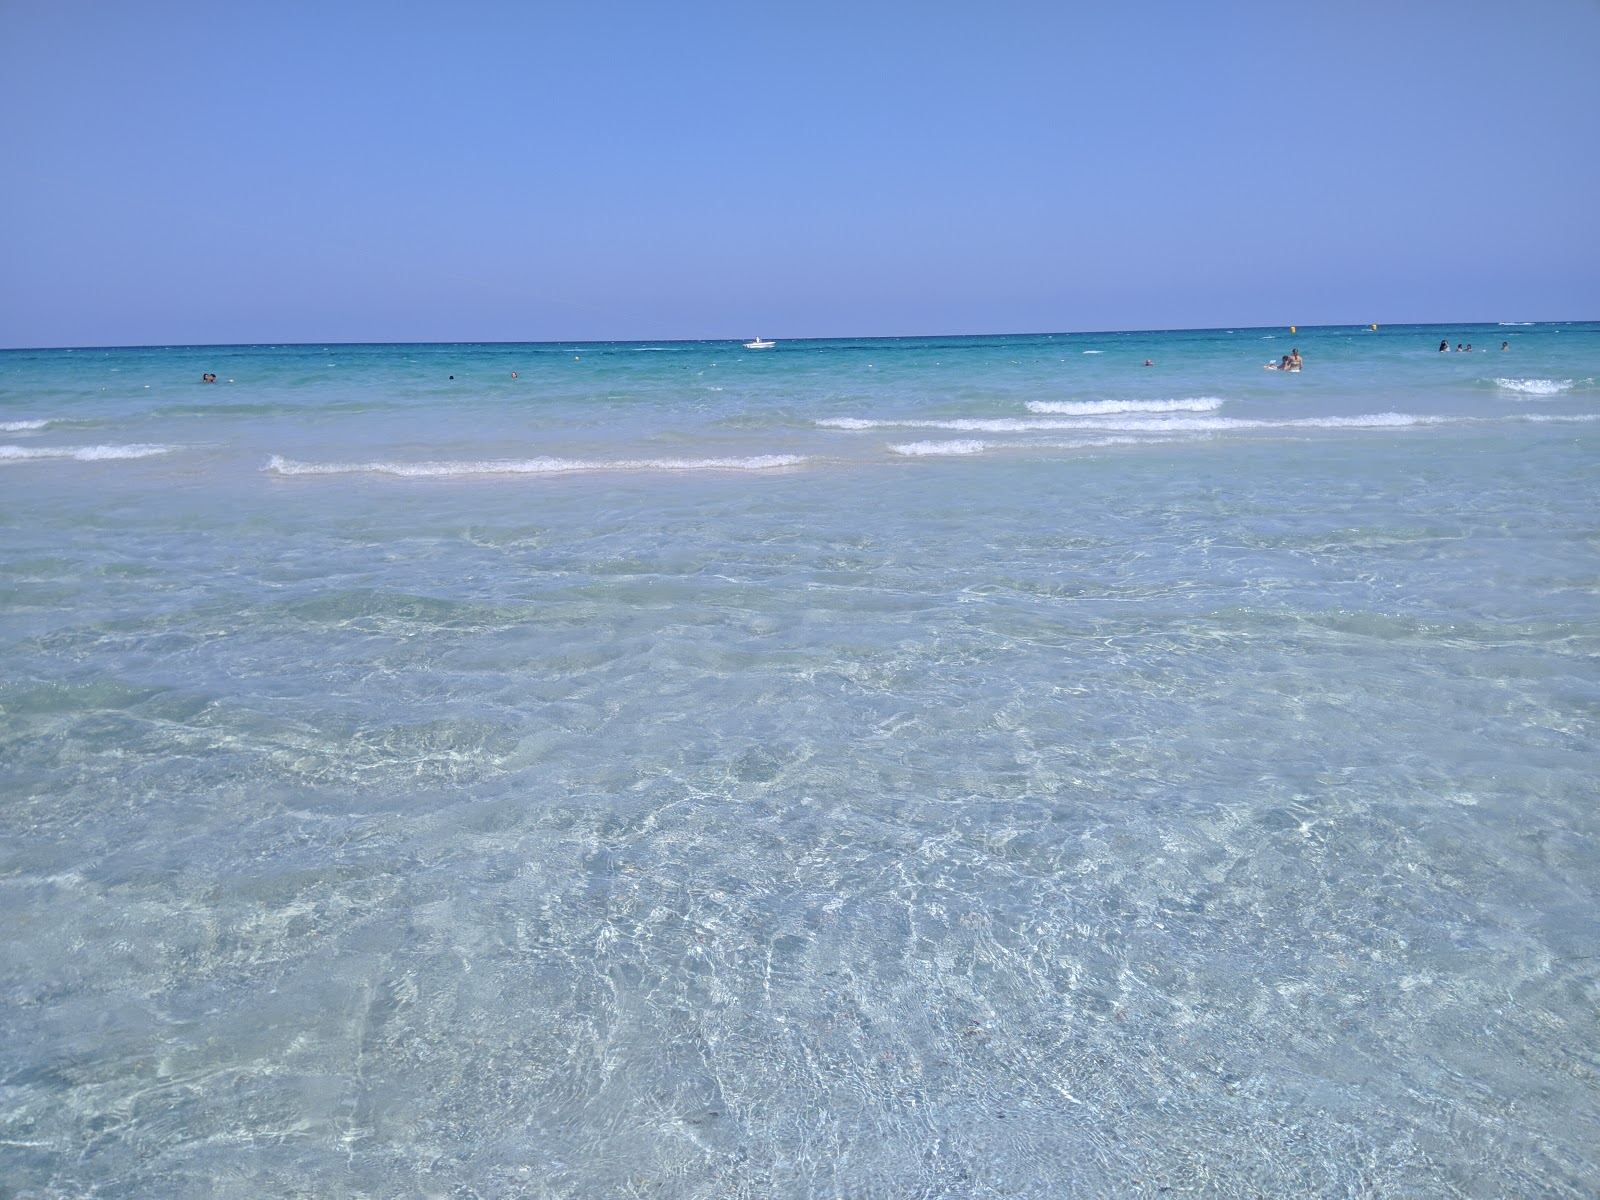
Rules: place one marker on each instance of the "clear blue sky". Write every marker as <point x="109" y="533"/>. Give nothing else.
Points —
<point x="248" y="172"/>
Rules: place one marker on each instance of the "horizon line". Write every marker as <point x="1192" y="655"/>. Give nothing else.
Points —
<point x="739" y="341"/>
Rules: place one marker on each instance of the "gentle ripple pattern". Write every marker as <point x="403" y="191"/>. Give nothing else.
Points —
<point x="1129" y="817"/>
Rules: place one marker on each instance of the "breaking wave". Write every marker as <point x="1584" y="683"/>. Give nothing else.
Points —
<point x="1535" y="387"/>
<point x="953" y="446"/>
<point x="529" y="466"/>
<point x="20" y="426"/>
<point x="973" y="446"/>
<point x="1153" y="424"/>
<point x="81" y="453"/>
<point x="1097" y="408"/>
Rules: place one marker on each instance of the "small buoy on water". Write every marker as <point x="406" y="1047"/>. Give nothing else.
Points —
<point x="1291" y="329"/>
<point x="1374" y="329"/>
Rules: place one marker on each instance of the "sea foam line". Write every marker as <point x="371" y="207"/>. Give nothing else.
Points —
<point x="1535" y="387"/>
<point x="20" y="426"/>
<point x="529" y="466"/>
<point x="81" y="453"/>
<point x="949" y="446"/>
<point x="955" y="446"/>
<point x="1388" y="420"/>
<point x="1099" y="408"/>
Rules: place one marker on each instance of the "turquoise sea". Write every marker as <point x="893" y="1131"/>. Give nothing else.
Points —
<point x="940" y="767"/>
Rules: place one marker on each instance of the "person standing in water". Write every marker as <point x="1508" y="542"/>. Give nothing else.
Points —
<point x="1443" y="346"/>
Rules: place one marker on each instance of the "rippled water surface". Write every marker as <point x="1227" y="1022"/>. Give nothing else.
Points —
<point x="945" y="768"/>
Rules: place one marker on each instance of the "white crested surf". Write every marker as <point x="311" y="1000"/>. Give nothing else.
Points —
<point x="1096" y="408"/>
<point x="1151" y="424"/>
<point x="1536" y="387"/>
<point x="964" y="446"/>
<point x="280" y="465"/>
<point x="81" y="453"/>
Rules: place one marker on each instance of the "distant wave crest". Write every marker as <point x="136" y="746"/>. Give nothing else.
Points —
<point x="1097" y="408"/>
<point x="529" y="466"/>
<point x="956" y="446"/>
<point x="81" y="453"/>
<point x="952" y="446"/>
<point x="1535" y="387"/>
<point x="20" y="426"/>
<point x="1150" y="424"/>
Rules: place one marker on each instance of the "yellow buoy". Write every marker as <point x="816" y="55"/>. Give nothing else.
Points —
<point x="1374" y="329"/>
<point x="1291" y="329"/>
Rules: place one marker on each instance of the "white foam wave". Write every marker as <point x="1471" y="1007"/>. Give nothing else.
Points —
<point x="861" y="423"/>
<point x="20" y="426"/>
<point x="1535" y="387"/>
<point x="1153" y="424"/>
<point x="973" y="446"/>
<point x="279" y="465"/>
<point x="1094" y="351"/>
<point x="1098" y="408"/>
<point x="1562" y="417"/>
<point x="953" y="446"/>
<point x="1388" y="420"/>
<point x="81" y="453"/>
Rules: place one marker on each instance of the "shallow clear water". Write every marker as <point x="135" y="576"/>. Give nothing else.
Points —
<point x="940" y="767"/>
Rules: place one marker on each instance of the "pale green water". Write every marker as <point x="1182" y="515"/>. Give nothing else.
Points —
<point x="1114" y="780"/>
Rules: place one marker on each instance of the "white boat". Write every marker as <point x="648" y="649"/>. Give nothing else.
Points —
<point x="758" y="344"/>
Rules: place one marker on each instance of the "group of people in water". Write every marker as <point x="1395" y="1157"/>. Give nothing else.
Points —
<point x="1467" y="349"/>
<point x="1291" y="361"/>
